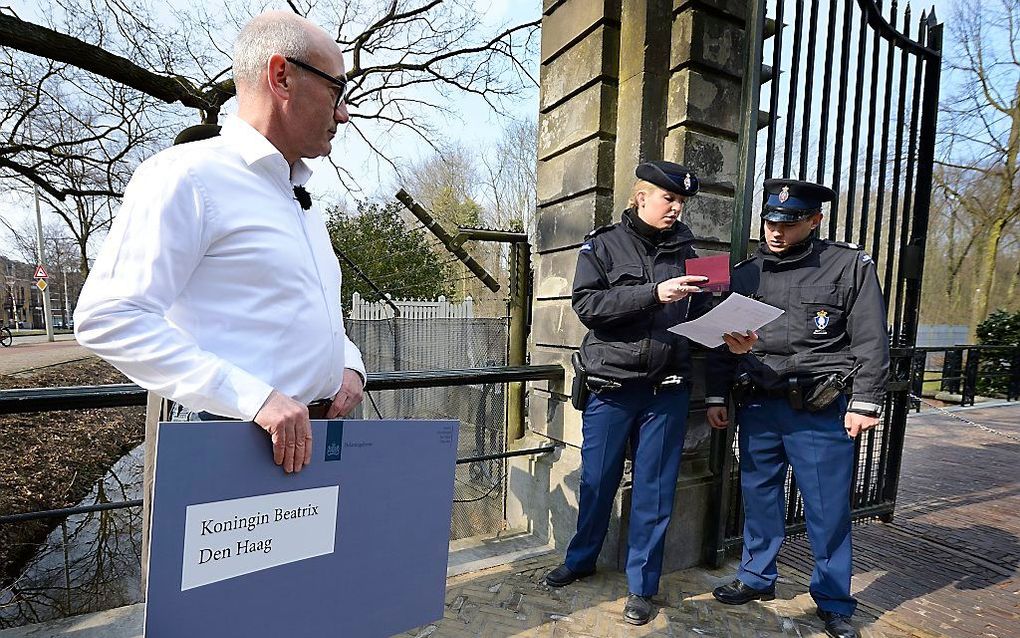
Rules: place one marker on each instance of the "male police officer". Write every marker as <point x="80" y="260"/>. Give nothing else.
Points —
<point x="790" y="407"/>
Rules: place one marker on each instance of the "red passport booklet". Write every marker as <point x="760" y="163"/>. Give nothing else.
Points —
<point x="716" y="268"/>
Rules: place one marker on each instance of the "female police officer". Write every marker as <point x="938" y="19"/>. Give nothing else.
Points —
<point x="629" y="288"/>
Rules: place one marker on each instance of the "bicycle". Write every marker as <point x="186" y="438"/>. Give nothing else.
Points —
<point x="6" y="338"/>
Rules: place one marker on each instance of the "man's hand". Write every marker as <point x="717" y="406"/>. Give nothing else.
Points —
<point x="857" y="423"/>
<point x="350" y="395"/>
<point x="738" y="343"/>
<point x="718" y="417"/>
<point x="678" y="288"/>
<point x="286" y="421"/>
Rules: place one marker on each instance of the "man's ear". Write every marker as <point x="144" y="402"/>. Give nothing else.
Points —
<point x="639" y="197"/>
<point x="279" y="77"/>
<point x="816" y="220"/>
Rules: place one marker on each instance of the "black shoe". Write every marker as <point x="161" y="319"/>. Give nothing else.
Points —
<point x="837" y="625"/>
<point x="638" y="609"/>
<point x="737" y="593"/>
<point x="563" y="575"/>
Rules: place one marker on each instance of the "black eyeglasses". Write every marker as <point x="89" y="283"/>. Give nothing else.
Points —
<point x="340" y="83"/>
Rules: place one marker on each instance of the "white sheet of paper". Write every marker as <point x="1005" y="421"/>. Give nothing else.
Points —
<point x="736" y="313"/>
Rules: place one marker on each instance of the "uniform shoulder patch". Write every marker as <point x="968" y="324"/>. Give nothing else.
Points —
<point x="598" y="231"/>
<point x="844" y="244"/>
<point x="741" y="263"/>
<point x="865" y="258"/>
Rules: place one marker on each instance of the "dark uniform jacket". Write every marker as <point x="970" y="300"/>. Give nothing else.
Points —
<point x="618" y="269"/>
<point x="834" y="317"/>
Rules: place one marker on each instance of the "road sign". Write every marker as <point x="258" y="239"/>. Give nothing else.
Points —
<point x="40" y="284"/>
<point x="40" y="272"/>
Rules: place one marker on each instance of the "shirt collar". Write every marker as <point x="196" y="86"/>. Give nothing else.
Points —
<point x="254" y="148"/>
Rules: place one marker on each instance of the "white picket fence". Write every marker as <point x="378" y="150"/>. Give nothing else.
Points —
<point x="412" y="308"/>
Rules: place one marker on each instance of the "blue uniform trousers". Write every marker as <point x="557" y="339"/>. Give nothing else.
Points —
<point x="655" y="422"/>
<point x="772" y="436"/>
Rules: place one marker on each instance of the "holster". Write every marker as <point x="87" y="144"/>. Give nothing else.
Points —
<point x="823" y="394"/>
<point x="742" y="389"/>
<point x="794" y="393"/>
<point x="579" y="391"/>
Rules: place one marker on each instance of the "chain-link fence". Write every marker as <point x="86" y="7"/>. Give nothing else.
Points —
<point x="447" y="344"/>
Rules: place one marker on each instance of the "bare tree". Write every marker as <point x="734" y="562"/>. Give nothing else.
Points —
<point x="97" y="86"/>
<point x="982" y="128"/>
<point x="406" y="58"/>
<point x="512" y="178"/>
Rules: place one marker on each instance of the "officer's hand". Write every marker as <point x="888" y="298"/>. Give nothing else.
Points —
<point x="857" y="423"/>
<point x="717" y="417"/>
<point x="738" y="343"/>
<point x="286" y="421"/>
<point x="350" y="395"/>
<point x="678" y="288"/>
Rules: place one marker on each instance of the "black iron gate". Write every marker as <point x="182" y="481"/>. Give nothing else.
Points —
<point x="850" y="97"/>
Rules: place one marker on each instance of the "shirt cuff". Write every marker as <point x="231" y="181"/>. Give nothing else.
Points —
<point x="248" y="394"/>
<point x="715" y="400"/>
<point x="353" y="360"/>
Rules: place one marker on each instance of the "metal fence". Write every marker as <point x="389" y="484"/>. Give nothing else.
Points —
<point x="959" y="374"/>
<point x="441" y="344"/>
<point x="851" y="102"/>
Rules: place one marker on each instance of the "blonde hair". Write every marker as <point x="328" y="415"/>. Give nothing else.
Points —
<point x="640" y="186"/>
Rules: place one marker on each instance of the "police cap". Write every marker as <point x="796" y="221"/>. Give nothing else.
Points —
<point x="792" y="200"/>
<point x="196" y="133"/>
<point x="670" y="176"/>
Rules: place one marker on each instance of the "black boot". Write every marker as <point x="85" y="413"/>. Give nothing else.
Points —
<point x="737" y="593"/>
<point x="638" y="609"/>
<point x="563" y="575"/>
<point x="837" y="625"/>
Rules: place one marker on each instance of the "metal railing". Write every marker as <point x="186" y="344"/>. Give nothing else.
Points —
<point x="36" y="400"/>
<point x="964" y="371"/>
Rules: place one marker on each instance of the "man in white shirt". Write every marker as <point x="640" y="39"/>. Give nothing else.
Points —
<point x="216" y="288"/>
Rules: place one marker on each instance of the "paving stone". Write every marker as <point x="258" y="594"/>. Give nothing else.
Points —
<point x="948" y="566"/>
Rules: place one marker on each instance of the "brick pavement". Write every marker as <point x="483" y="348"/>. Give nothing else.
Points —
<point x="28" y="353"/>
<point x="947" y="566"/>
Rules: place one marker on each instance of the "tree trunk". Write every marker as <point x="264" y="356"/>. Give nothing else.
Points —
<point x="986" y="276"/>
<point x="1014" y="281"/>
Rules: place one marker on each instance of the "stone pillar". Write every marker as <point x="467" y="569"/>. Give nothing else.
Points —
<point x="622" y="81"/>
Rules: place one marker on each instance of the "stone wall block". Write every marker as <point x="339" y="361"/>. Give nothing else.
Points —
<point x="707" y="100"/>
<point x="567" y="21"/>
<point x="710" y="216"/>
<point x="706" y="41"/>
<point x="576" y="171"/>
<point x="734" y="8"/>
<point x="564" y="224"/>
<point x="713" y="158"/>
<point x="591" y="113"/>
<point x="554" y="323"/>
<point x="596" y="56"/>
<point x="554" y="276"/>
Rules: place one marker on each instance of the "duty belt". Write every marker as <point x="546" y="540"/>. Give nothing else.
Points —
<point x="598" y="384"/>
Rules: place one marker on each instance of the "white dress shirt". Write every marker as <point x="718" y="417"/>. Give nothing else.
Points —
<point x="214" y="287"/>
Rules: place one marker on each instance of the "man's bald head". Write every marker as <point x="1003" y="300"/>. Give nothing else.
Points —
<point x="270" y="33"/>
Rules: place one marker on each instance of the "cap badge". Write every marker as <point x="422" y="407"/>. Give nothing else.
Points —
<point x="784" y="194"/>
<point x="687" y="181"/>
